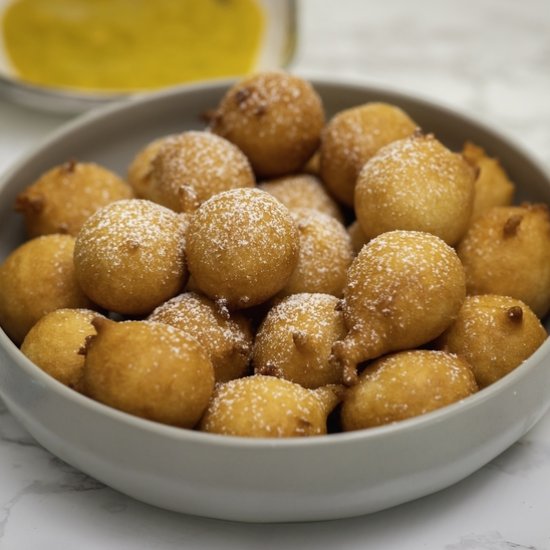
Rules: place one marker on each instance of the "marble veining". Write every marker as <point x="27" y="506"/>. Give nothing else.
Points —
<point x="489" y="541"/>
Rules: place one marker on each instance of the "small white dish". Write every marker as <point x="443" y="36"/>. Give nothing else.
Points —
<point x="276" y="51"/>
<point x="317" y="478"/>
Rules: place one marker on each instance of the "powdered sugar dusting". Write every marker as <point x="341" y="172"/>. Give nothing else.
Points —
<point x="132" y="240"/>
<point x="479" y="318"/>
<point x="191" y="167"/>
<point x="130" y="225"/>
<point x="275" y="118"/>
<point x="401" y="264"/>
<point x="292" y="310"/>
<point x="65" y="196"/>
<point x="418" y="184"/>
<point x="228" y="340"/>
<point x="242" y="238"/>
<point x="352" y="137"/>
<point x="486" y="241"/>
<point x="303" y="191"/>
<point x="245" y="220"/>
<point x="411" y="383"/>
<point x="506" y="251"/>
<point x="263" y="406"/>
<point x="285" y="99"/>
<point x="296" y="338"/>
<point x="356" y="131"/>
<point x="325" y="254"/>
<point x="421" y="159"/>
<point x="177" y="342"/>
<point x="494" y="334"/>
<point x="61" y="251"/>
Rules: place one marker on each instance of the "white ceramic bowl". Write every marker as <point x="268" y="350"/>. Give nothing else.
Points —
<point x="242" y="479"/>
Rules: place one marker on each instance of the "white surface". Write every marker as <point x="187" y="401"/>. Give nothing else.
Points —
<point x="488" y="57"/>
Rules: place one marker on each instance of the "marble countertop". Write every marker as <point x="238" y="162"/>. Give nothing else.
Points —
<point x="490" y="58"/>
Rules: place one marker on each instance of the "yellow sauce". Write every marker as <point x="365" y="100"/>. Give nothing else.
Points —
<point x="122" y="45"/>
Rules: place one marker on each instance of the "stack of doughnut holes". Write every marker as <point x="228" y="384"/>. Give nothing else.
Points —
<point x="277" y="274"/>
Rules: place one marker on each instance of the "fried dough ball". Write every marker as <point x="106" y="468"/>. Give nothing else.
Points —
<point x="139" y="171"/>
<point x="63" y="198"/>
<point x="194" y="166"/>
<point x="303" y="191"/>
<point x="313" y="165"/>
<point x="242" y="247"/>
<point x="265" y="406"/>
<point x="492" y="185"/>
<point x="415" y="184"/>
<point x="275" y="118"/>
<point x="129" y="256"/>
<point x="148" y="369"/>
<point x="184" y="222"/>
<point x="403" y="290"/>
<point x="404" y="385"/>
<point x="352" y="137"/>
<point x="325" y="254"/>
<point x="295" y="340"/>
<point x="495" y="334"/>
<point x="227" y="339"/>
<point x="55" y="343"/>
<point x="506" y="251"/>
<point x="357" y="236"/>
<point x="36" y="278"/>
